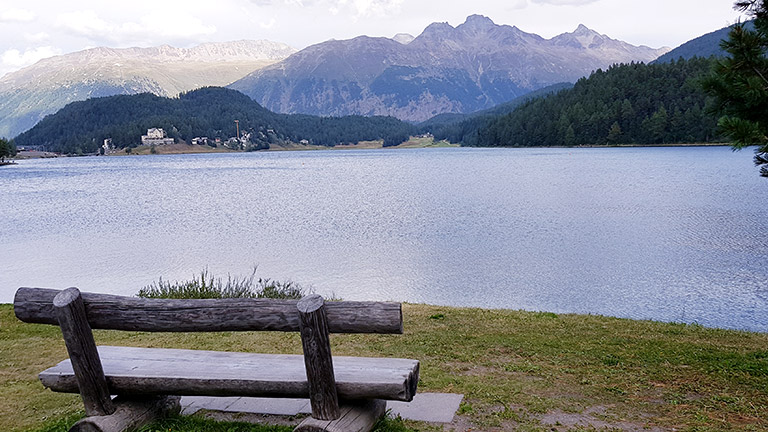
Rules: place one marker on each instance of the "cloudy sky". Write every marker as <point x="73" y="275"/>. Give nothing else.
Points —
<point x="31" y="30"/>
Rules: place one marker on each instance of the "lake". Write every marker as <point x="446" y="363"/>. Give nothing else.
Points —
<point x="670" y="234"/>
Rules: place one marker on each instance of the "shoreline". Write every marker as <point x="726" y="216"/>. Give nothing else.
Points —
<point x="576" y="315"/>
<point x="414" y="143"/>
<point x="653" y="145"/>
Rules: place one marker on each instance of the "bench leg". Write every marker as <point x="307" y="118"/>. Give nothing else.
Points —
<point x="357" y="416"/>
<point x="130" y="414"/>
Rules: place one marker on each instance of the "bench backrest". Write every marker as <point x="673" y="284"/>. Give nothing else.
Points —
<point x="104" y="311"/>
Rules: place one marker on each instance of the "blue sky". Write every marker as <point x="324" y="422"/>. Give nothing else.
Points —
<point x="31" y="30"/>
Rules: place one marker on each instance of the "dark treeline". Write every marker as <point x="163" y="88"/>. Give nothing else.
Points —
<point x="7" y="149"/>
<point x="458" y="128"/>
<point x="82" y="127"/>
<point x="330" y="131"/>
<point x="627" y="104"/>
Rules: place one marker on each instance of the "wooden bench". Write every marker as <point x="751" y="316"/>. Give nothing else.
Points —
<point x="148" y="382"/>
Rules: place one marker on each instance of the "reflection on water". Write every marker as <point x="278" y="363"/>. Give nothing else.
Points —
<point x="674" y="234"/>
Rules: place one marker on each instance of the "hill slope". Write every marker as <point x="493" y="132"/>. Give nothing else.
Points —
<point x="82" y="127"/>
<point x="703" y="46"/>
<point x="474" y="66"/>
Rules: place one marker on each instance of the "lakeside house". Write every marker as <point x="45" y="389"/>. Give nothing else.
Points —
<point x="107" y="147"/>
<point x="156" y="136"/>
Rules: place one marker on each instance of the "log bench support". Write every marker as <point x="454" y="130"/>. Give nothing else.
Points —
<point x="316" y="342"/>
<point x="103" y="414"/>
<point x="130" y="414"/>
<point x="78" y="337"/>
<point x="354" y="417"/>
<point x="144" y="378"/>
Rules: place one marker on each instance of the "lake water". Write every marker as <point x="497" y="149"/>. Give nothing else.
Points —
<point x="671" y="234"/>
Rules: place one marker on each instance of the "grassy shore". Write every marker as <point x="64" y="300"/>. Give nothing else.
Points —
<point x="181" y="148"/>
<point x="517" y="370"/>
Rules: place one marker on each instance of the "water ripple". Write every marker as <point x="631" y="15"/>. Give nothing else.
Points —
<point x="672" y="234"/>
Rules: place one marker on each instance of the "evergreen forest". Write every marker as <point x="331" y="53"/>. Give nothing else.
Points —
<point x="81" y="127"/>
<point x="626" y="104"/>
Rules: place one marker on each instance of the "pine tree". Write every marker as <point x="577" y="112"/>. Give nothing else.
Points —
<point x="614" y="133"/>
<point x="656" y="125"/>
<point x="739" y="83"/>
<point x="7" y="149"/>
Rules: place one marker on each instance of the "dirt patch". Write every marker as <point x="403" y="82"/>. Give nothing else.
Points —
<point x="477" y="370"/>
<point x="265" y="419"/>
<point x="592" y="417"/>
<point x="460" y="424"/>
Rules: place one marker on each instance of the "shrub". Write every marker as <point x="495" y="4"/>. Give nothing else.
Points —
<point x="206" y="286"/>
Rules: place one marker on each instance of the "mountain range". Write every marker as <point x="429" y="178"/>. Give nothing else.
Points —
<point x="445" y="69"/>
<point x="28" y="95"/>
<point x="462" y="69"/>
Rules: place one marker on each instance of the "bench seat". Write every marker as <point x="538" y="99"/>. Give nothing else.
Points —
<point x="160" y="371"/>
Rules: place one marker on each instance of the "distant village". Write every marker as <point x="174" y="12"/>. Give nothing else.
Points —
<point x="158" y="137"/>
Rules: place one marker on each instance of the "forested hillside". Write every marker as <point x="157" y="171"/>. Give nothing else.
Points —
<point x="627" y="104"/>
<point x="454" y="127"/>
<point x="82" y="127"/>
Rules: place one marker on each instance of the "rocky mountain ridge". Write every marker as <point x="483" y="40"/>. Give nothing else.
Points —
<point x="473" y="66"/>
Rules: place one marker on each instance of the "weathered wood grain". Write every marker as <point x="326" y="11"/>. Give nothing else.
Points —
<point x="355" y="417"/>
<point x="130" y="414"/>
<point x="316" y="343"/>
<point x="147" y="371"/>
<point x="35" y="305"/>
<point x="78" y="338"/>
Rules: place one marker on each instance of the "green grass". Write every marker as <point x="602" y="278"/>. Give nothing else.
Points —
<point x="516" y="369"/>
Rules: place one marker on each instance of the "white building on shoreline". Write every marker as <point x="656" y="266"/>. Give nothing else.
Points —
<point x="156" y="136"/>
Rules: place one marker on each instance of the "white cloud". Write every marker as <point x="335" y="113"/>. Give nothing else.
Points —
<point x="15" y="59"/>
<point x="36" y="37"/>
<point x="154" y="27"/>
<point x="17" y="15"/>
<point x="182" y="26"/>
<point x="565" y="2"/>
<point x="356" y="8"/>
<point x="268" y="25"/>
<point x="517" y="4"/>
<point x="84" y="23"/>
<point x="369" y="8"/>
